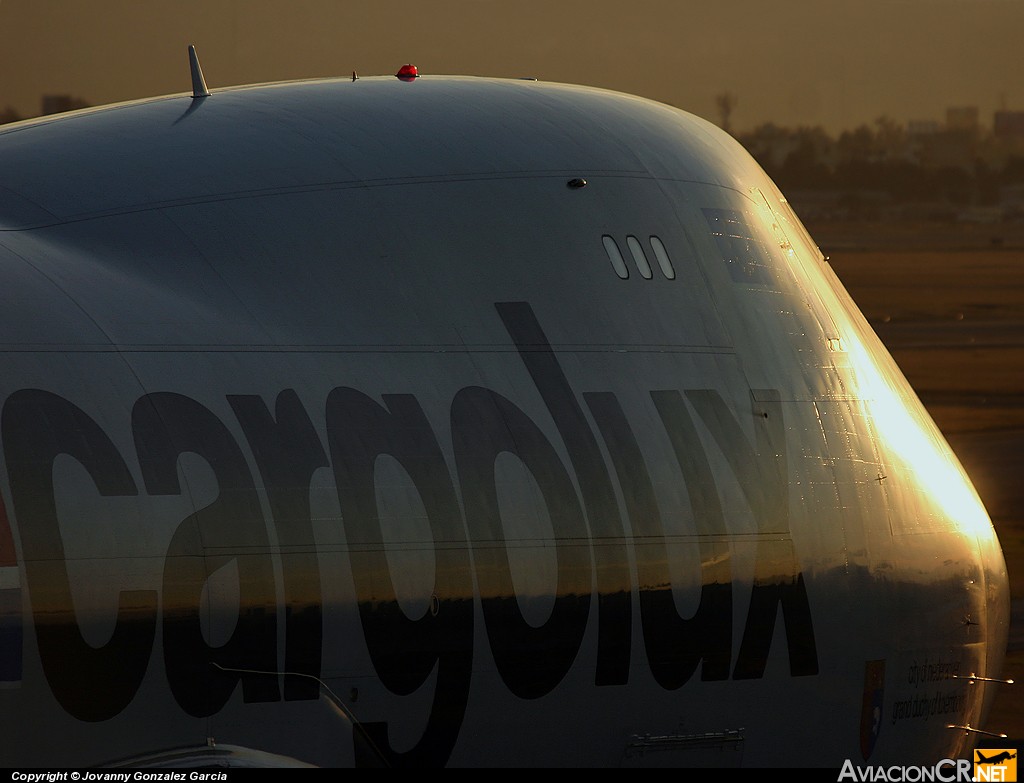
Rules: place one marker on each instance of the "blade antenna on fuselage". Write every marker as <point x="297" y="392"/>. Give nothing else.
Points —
<point x="199" y="89"/>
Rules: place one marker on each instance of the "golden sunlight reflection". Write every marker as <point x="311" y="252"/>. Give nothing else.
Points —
<point x="908" y="434"/>
<point x="905" y="430"/>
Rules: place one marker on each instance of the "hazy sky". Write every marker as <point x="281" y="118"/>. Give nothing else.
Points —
<point x="835" y="63"/>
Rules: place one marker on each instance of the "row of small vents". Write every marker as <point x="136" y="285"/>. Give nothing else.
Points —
<point x="640" y="257"/>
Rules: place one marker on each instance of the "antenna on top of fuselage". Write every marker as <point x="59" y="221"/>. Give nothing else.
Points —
<point x="199" y="89"/>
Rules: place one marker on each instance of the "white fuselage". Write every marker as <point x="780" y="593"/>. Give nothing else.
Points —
<point x="339" y="426"/>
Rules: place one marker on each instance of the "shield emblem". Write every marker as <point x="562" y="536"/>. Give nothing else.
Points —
<point x="871" y="709"/>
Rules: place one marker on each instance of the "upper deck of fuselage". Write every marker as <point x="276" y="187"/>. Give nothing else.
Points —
<point x="333" y="243"/>
<point x="337" y="133"/>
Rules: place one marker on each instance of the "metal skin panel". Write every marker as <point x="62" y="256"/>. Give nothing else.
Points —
<point x="332" y="435"/>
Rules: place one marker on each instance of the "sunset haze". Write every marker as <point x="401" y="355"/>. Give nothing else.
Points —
<point x="831" y="63"/>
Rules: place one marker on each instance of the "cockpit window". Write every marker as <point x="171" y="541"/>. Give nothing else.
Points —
<point x="663" y="260"/>
<point x="615" y="256"/>
<point x="744" y="253"/>
<point x="640" y="257"/>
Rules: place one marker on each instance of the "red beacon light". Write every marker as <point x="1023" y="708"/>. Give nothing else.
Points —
<point x="407" y="73"/>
